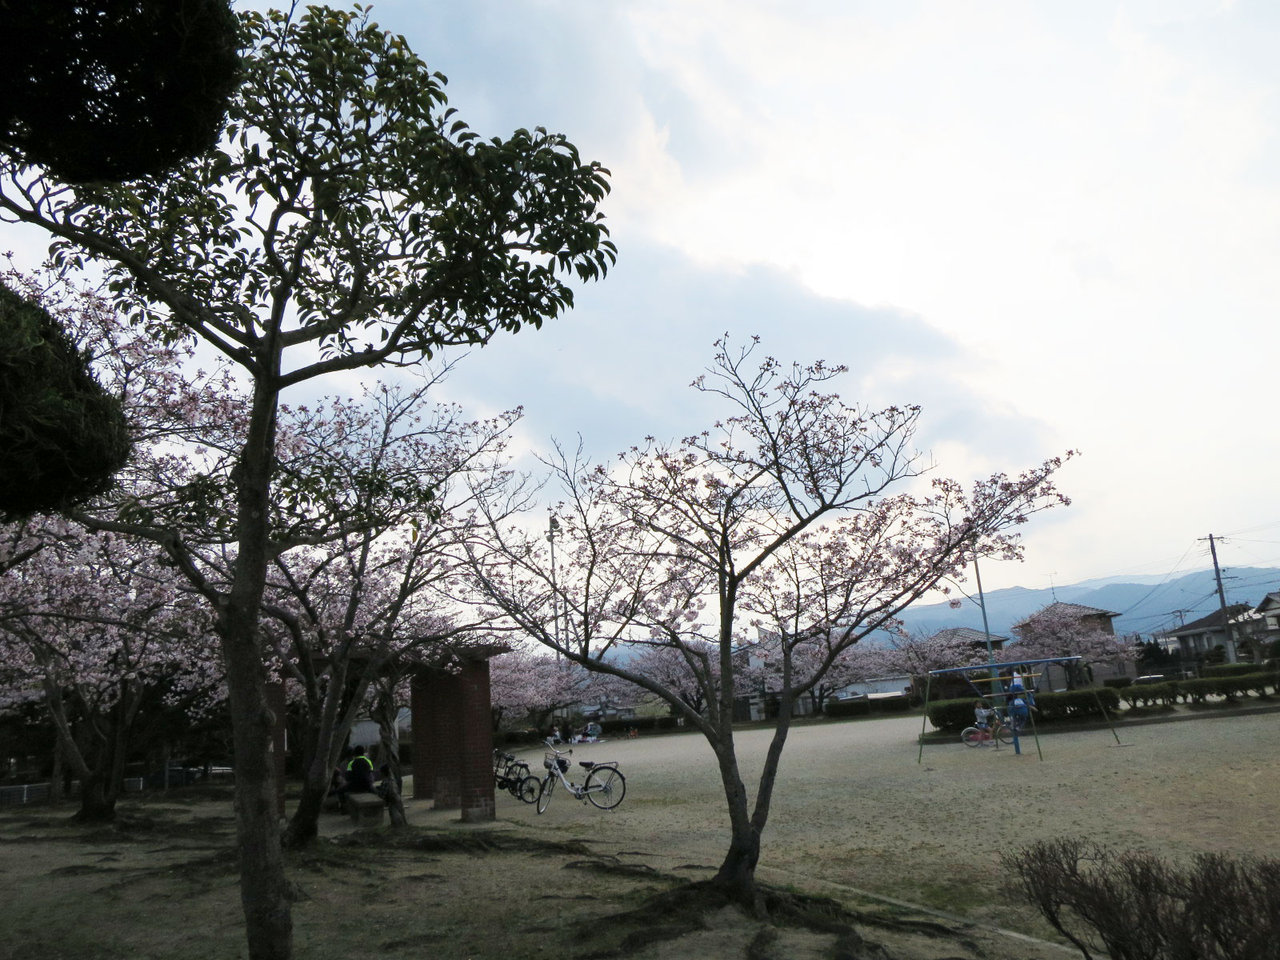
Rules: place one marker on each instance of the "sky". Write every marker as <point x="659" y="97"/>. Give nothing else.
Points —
<point x="1055" y="226"/>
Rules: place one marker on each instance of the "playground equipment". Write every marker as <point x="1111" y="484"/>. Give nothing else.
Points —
<point x="1020" y="686"/>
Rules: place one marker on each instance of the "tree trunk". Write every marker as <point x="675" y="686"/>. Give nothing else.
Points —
<point x="304" y="825"/>
<point x="386" y="712"/>
<point x="97" y="805"/>
<point x="336" y="712"/>
<point x="737" y="874"/>
<point x="264" y="892"/>
<point x="395" y="804"/>
<point x="55" y="778"/>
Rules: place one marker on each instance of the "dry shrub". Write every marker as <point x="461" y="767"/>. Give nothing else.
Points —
<point x="1143" y="908"/>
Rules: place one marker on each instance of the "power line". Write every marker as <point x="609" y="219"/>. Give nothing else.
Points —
<point x="1166" y="577"/>
<point x="1261" y="526"/>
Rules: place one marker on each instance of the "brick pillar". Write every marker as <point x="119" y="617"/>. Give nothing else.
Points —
<point x="476" y="738"/>
<point x="425" y="761"/>
<point x="444" y="733"/>
<point x="276" y="704"/>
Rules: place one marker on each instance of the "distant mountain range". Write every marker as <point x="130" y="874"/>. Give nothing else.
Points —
<point x="1146" y="605"/>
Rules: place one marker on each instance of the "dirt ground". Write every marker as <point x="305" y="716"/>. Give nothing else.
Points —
<point x="911" y="847"/>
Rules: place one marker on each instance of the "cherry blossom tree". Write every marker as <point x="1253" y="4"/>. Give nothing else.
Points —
<point x="917" y="654"/>
<point x="1060" y="630"/>
<point x="107" y="640"/>
<point x="797" y="517"/>
<point x="531" y="686"/>
<point x="377" y="597"/>
<point x="346" y="220"/>
<point x="689" y="668"/>
<point x="59" y="585"/>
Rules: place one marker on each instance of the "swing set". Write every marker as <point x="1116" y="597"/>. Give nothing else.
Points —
<point x="1021" y="684"/>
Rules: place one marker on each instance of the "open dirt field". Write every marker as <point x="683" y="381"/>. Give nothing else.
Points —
<point x="855" y="818"/>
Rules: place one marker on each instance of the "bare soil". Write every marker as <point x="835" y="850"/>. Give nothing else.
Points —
<point x="883" y="856"/>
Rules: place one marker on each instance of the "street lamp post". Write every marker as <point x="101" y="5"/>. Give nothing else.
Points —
<point x="553" y="528"/>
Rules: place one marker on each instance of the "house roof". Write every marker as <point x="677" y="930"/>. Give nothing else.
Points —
<point x="1270" y="602"/>
<point x="1078" y="610"/>
<point x="1214" y="621"/>
<point x="967" y="635"/>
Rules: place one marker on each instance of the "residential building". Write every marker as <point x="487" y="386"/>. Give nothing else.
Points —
<point x="1195" y="640"/>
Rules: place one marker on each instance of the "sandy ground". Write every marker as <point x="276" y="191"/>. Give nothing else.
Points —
<point x="854" y="810"/>
<point x="856" y="818"/>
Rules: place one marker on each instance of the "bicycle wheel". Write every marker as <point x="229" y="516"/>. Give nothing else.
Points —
<point x="544" y="795"/>
<point x="605" y="787"/>
<point x="1005" y="733"/>
<point x="517" y="774"/>
<point x="530" y="789"/>
<point x="973" y="737"/>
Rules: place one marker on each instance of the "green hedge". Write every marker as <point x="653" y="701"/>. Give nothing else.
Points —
<point x="860" y="707"/>
<point x="1151" y="694"/>
<point x="1118" y="682"/>
<point x="955" y="715"/>
<point x="1255" y="683"/>
<point x="866" y="706"/>
<point x="1230" y="669"/>
<point x="952" y="715"/>
<point x="1077" y="704"/>
<point x="640" y="724"/>
<point x="1235" y="683"/>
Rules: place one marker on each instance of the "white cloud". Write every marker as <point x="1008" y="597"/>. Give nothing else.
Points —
<point x="1054" y="224"/>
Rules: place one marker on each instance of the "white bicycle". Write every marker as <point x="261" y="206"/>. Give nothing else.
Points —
<point x="604" y="787"/>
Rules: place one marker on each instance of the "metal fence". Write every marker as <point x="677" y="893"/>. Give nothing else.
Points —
<point x="23" y="793"/>
<point x="15" y="795"/>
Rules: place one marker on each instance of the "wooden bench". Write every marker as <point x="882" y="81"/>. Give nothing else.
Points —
<point x="365" y="809"/>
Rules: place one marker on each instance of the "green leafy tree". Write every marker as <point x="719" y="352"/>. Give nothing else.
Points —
<point x="64" y="436"/>
<point x="92" y="90"/>
<point x="348" y="219"/>
<point x="115" y="89"/>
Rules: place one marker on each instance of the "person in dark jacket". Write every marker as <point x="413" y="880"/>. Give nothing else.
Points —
<point x="360" y="772"/>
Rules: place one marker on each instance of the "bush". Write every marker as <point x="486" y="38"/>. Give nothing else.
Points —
<point x="1240" y="684"/>
<point x="1151" y="694"/>
<point x="1230" y="669"/>
<point x="641" y="724"/>
<point x="952" y="715"/>
<point x="1257" y="683"/>
<point x="890" y="704"/>
<point x="859" y="707"/>
<point x="523" y="737"/>
<point x="1118" y="683"/>
<point x="1076" y="704"/>
<point x="1200" y="689"/>
<point x="1142" y="908"/>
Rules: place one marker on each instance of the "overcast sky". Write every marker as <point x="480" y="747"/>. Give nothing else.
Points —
<point x="1054" y="225"/>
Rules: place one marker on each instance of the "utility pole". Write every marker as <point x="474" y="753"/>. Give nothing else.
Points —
<point x="1222" y="597"/>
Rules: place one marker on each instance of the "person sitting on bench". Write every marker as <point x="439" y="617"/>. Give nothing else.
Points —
<point x="359" y="778"/>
